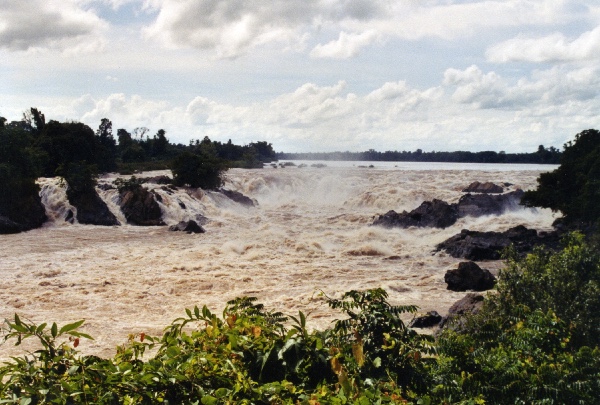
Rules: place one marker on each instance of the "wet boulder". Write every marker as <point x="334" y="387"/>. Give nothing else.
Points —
<point x="188" y="227"/>
<point x="430" y="319"/>
<point x="469" y="276"/>
<point x="436" y="214"/>
<point x="7" y="226"/>
<point x="470" y="304"/>
<point x="477" y="205"/>
<point x="487" y="187"/>
<point x="478" y="246"/>
<point x="91" y="209"/>
<point x="238" y="197"/>
<point x="140" y="207"/>
<point x="30" y="214"/>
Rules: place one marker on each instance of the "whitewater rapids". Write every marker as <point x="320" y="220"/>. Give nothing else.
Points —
<point x="309" y="233"/>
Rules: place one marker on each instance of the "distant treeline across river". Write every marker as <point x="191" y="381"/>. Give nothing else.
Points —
<point x="543" y="155"/>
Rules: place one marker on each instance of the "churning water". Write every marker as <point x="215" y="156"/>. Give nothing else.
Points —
<point x="309" y="233"/>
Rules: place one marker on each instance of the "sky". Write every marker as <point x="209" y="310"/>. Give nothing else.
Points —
<point x="311" y="75"/>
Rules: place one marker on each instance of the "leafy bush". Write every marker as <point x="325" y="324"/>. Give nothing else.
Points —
<point x="248" y="356"/>
<point x="131" y="184"/>
<point x="536" y="339"/>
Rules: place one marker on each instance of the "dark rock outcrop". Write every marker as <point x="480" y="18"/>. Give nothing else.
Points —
<point x="140" y="207"/>
<point x="7" y="226"/>
<point x="428" y="320"/>
<point x="30" y="214"/>
<point x="159" y="180"/>
<point x="238" y="197"/>
<point x="187" y="226"/>
<point x="477" y="246"/>
<point x="477" y="205"/>
<point x="487" y="187"/>
<point x="91" y="209"/>
<point x="469" y="276"/>
<point x="440" y="214"/>
<point x="436" y="213"/>
<point x="470" y="304"/>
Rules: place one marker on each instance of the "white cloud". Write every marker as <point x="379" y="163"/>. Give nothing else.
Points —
<point x="346" y="46"/>
<point x="41" y="24"/>
<point x="551" y="48"/>
<point x="555" y="86"/>
<point x="231" y="28"/>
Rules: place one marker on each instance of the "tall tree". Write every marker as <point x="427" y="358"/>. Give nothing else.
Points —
<point x="573" y="188"/>
<point x="106" y="147"/>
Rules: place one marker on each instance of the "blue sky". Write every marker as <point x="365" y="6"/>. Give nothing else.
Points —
<point x="311" y="75"/>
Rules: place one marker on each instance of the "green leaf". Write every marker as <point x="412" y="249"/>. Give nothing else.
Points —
<point x="209" y="400"/>
<point x="188" y="312"/>
<point x="71" y="326"/>
<point x="221" y="392"/>
<point x="54" y="329"/>
<point x="40" y="328"/>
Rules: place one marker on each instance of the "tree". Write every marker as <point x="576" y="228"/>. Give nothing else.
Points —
<point x="573" y="188"/>
<point x="20" y="166"/>
<point x="107" y="147"/>
<point x="198" y="170"/>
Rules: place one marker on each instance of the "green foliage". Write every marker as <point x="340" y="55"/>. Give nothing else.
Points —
<point x="80" y="176"/>
<point x="566" y="283"/>
<point x="573" y="188"/>
<point x="530" y="361"/>
<point x="204" y="170"/>
<point x="380" y="343"/>
<point x="131" y="184"/>
<point x="20" y="165"/>
<point x="536" y="339"/>
<point x="249" y="356"/>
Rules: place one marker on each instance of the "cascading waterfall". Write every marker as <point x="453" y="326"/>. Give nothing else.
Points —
<point x="310" y="232"/>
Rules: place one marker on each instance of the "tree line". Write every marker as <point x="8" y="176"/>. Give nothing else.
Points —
<point x="542" y="155"/>
<point x="35" y="147"/>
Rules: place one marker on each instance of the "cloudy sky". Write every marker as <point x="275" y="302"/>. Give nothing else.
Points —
<point x="311" y="75"/>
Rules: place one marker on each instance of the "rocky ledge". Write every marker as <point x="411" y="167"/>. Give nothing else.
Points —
<point x="477" y="246"/>
<point x="440" y="214"/>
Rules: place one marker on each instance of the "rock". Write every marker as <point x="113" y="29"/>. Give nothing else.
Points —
<point x="7" y="226"/>
<point x="140" y="207"/>
<point x="477" y="205"/>
<point x="187" y="226"/>
<point x="487" y="187"/>
<point x="470" y="304"/>
<point x="29" y="213"/>
<point x="106" y="186"/>
<point x="428" y="320"/>
<point x="440" y="214"/>
<point x="436" y="213"/>
<point x="469" y="276"/>
<point x="91" y="209"/>
<point x="159" y="180"/>
<point x="478" y="246"/>
<point x="238" y="197"/>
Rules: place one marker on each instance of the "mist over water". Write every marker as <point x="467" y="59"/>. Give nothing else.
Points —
<point x="309" y="233"/>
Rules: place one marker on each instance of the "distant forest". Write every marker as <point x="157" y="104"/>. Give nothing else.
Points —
<point x="543" y="155"/>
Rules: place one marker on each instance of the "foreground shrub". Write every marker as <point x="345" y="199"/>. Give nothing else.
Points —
<point x="536" y="339"/>
<point x="248" y="356"/>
